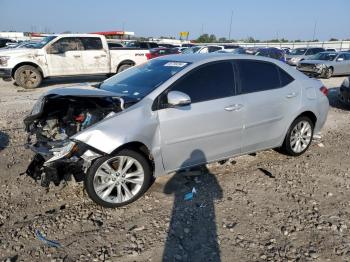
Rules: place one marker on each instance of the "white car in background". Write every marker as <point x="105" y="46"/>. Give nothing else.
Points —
<point x="66" y="55"/>
<point x="202" y="49"/>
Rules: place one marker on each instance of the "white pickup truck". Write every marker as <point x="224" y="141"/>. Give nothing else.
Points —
<point x="66" y="55"/>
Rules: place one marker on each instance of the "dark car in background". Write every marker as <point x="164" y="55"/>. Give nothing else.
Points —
<point x="5" y="41"/>
<point x="272" y="52"/>
<point x="141" y="45"/>
<point x="112" y="45"/>
<point x="344" y="91"/>
<point x="298" y="54"/>
<point x="161" y="51"/>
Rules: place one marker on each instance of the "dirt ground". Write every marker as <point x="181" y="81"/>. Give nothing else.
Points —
<point x="263" y="207"/>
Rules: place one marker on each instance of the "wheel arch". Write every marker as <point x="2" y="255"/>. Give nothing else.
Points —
<point x="307" y="113"/>
<point x="140" y="148"/>
<point x="27" y="63"/>
<point x="125" y="62"/>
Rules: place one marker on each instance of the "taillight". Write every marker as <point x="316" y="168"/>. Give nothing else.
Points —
<point x="149" y="56"/>
<point x="324" y="90"/>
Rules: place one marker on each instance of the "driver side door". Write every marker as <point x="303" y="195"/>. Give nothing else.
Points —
<point x="64" y="57"/>
<point x="208" y="129"/>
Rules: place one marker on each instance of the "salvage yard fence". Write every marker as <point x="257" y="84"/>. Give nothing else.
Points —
<point x="338" y="45"/>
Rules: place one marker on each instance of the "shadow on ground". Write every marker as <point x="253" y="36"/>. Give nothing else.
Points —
<point x="192" y="233"/>
<point x="4" y="140"/>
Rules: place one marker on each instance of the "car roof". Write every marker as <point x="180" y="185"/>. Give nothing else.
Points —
<point x="201" y="58"/>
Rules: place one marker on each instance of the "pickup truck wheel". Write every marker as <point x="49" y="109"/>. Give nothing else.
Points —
<point x="123" y="67"/>
<point x="117" y="180"/>
<point x="28" y="77"/>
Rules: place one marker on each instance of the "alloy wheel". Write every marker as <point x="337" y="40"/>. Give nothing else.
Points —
<point x="118" y="179"/>
<point x="300" y="137"/>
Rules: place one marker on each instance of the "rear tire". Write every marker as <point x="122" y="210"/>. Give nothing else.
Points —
<point x="28" y="77"/>
<point x="123" y="67"/>
<point x="111" y="187"/>
<point x="299" y="137"/>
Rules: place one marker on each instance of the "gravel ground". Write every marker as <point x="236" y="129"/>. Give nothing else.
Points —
<point x="263" y="207"/>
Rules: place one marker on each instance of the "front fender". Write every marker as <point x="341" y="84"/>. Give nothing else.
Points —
<point x="136" y="124"/>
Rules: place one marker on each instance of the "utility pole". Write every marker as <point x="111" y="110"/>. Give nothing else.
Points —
<point x="315" y="26"/>
<point x="229" y="32"/>
<point x="202" y="29"/>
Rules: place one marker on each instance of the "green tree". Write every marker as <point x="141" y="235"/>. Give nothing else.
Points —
<point x="333" y="39"/>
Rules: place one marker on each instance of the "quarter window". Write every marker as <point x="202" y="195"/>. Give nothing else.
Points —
<point x="257" y="76"/>
<point x="209" y="82"/>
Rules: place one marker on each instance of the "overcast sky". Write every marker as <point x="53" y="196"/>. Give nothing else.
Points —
<point x="261" y="19"/>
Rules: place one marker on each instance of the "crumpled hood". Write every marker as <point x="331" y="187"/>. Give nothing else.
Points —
<point x="82" y="90"/>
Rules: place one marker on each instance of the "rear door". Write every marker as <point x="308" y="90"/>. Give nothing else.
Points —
<point x="64" y="57"/>
<point x="95" y="56"/>
<point x="208" y="129"/>
<point x="270" y="97"/>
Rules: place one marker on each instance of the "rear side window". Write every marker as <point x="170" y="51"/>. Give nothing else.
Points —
<point x="92" y="43"/>
<point x="285" y="77"/>
<point x="257" y="76"/>
<point x="153" y="45"/>
<point x="212" y="81"/>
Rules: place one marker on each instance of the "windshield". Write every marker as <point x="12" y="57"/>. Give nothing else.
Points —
<point x="191" y="50"/>
<point x="42" y="43"/>
<point x="324" y="56"/>
<point x="298" y="51"/>
<point x="139" y="81"/>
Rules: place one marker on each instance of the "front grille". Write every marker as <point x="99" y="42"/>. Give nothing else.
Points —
<point x="307" y="67"/>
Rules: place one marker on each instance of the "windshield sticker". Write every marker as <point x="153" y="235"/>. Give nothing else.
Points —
<point x="176" y="64"/>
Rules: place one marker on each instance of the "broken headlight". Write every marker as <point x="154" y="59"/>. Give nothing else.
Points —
<point x="67" y="150"/>
<point x="38" y="106"/>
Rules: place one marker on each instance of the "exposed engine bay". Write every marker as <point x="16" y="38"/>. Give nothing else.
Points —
<point x="53" y="120"/>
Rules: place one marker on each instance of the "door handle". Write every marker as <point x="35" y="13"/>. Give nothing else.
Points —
<point x="291" y="95"/>
<point x="97" y="56"/>
<point x="235" y="107"/>
<point x="76" y="56"/>
<point x="103" y="55"/>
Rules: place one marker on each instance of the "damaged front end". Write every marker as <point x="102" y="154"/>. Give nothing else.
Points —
<point x="55" y="118"/>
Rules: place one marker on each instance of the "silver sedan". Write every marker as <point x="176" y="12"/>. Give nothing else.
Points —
<point x="170" y="114"/>
<point x="326" y="64"/>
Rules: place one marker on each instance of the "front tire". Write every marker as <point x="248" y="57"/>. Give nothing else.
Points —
<point x="28" y="77"/>
<point x="117" y="180"/>
<point x="328" y="73"/>
<point x="299" y="137"/>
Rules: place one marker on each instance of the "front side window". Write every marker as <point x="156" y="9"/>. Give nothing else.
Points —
<point x="257" y="76"/>
<point x="67" y="44"/>
<point x="209" y="82"/>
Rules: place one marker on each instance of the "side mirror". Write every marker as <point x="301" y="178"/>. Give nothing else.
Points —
<point x="177" y="98"/>
<point x="340" y="59"/>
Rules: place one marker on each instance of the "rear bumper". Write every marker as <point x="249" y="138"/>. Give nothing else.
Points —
<point x="5" y="72"/>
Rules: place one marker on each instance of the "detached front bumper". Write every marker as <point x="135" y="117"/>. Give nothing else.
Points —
<point x="48" y="167"/>
<point x="6" y="73"/>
